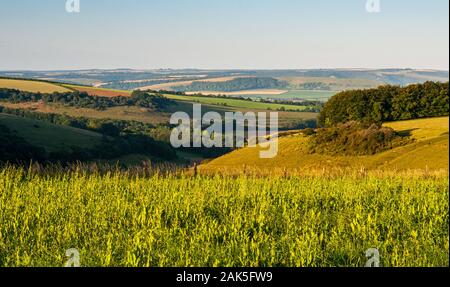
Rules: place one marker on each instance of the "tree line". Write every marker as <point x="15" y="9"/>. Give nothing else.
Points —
<point x="84" y="100"/>
<point x="238" y="84"/>
<point x="387" y="103"/>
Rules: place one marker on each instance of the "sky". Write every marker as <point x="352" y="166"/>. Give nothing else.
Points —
<point x="223" y="34"/>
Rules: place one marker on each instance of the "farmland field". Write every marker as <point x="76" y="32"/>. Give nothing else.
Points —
<point x="100" y="92"/>
<point x="32" y="86"/>
<point x="178" y="220"/>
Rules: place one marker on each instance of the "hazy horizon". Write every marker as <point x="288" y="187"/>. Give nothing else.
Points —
<point x="230" y="69"/>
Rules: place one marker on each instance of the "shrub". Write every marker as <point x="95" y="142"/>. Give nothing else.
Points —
<point x="355" y="138"/>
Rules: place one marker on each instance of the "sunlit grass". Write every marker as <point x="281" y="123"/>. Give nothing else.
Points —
<point x="116" y="219"/>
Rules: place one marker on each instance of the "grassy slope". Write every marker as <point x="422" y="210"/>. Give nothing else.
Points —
<point x="32" y="86"/>
<point x="429" y="151"/>
<point x="52" y="137"/>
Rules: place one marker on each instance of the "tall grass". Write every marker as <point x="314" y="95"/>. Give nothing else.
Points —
<point x="174" y="219"/>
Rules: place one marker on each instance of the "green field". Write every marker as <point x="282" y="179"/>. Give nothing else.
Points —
<point x="51" y="137"/>
<point x="176" y="220"/>
<point x="235" y="103"/>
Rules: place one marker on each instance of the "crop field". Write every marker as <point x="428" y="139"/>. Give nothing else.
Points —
<point x="100" y="92"/>
<point x="32" y="86"/>
<point x="177" y="220"/>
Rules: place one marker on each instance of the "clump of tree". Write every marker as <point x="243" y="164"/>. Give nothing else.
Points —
<point x="354" y="139"/>
<point x="387" y="103"/>
<point x="315" y="86"/>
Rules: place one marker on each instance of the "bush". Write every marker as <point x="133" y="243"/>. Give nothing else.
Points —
<point x="354" y="138"/>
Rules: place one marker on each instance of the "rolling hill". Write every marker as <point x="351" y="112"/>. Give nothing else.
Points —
<point x="291" y="116"/>
<point x="430" y="150"/>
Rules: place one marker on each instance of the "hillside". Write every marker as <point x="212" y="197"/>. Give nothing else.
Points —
<point x="430" y="150"/>
<point x="49" y="136"/>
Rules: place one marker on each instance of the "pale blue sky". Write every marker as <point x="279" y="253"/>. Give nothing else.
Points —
<point x="223" y="34"/>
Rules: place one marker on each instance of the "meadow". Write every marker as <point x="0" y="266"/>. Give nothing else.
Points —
<point x="120" y="219"/>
